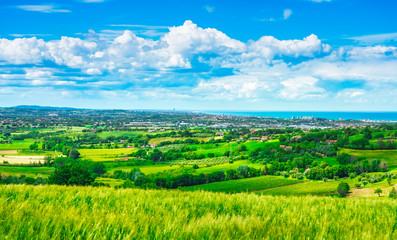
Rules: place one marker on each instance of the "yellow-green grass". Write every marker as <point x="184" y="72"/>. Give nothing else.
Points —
<point x="58" y="212"/>
<point x="105" y="155"/>
<point x="18" y="145"/>
<point x="111" y="181"/>
<point x="27" y="171"/>
<point x="245" y="185"/>
<point x="390" y="156"/>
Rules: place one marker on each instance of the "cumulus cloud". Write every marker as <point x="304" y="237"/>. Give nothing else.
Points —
<point x="204" y="62"/>
<point x="178" y="48"/>
<point x="22" y="50"/>
<point x="268" y="47"/>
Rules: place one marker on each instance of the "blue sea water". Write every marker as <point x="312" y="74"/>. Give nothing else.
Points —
<point x="378" y="116"/>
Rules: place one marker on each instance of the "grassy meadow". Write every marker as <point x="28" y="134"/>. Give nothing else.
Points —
<point x="390" y="156"/>
<point x="105" y="155"/>
<point x="245" y="185"/>
<point x="56" y="212"/>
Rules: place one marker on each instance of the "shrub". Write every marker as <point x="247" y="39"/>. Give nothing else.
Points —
<point x="378" y="191"/>
<point x="343" y="189"/>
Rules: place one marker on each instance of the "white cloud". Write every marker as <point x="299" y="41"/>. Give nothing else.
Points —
<point x="188" y="58"/>
<point x="189" y="39"/>
<point x="34" y="73"/>
<point x="268" y="47"/>
<point x="93" y="71"/>
<point x="301" y="87"/>
<point x="287" y="13"/>
<point x="43" y="8"/>
<point x="209" y="8"/>
<point x="232" y="87"/>
<point x="22" y="50"/>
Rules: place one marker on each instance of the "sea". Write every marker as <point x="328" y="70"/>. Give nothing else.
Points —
<point x="374" y="116"/>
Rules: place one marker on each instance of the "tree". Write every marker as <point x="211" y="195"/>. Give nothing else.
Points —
<point x="389" y="181"/>
<point x="367" y="133"/>
<point x="378" y="191"/>
<point x="71" y="174"/>
<point x="393" y="193"/>
<point x="98" y="168"/>
<point x="343" y="189"/>
<point x="73" y="153"/>
<point x="33" y="146"/>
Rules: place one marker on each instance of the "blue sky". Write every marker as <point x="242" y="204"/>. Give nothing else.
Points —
<point x="200" y="55"/>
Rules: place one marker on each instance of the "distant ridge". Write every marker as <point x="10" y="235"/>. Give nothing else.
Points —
<point x="46" y="107"/>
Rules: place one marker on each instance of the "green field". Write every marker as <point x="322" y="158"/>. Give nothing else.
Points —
<point x="390" y="156"/>
<point x="163" y="139"/>
<point x="111" y="181"/>
<point x="105" y="155"/>
<point x="148" y="169"/>
<point x="227" y="166"/>
<point x="55" y="212"/>
<point x="18" y="145"/>
<point x="308" y="188"/>
<point x="116" y="134"/>
<point x="27" y="171"/>
<point x="244" y="185"/>
<point x="330" y="160"/>
<point x="220" y="148"/>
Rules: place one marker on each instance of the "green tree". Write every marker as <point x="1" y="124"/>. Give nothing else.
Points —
<point x="73" y="153"/>
<point x="378" y="191"/>
<point x="389" y="181"/>
<point x="33" y="146"/>
<point x="71" y="174"/>
<point x="393" y="193"/>
<point x="343" y="189"/>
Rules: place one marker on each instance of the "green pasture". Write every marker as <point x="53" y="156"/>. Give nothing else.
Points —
<point x="390" y="156"/>
<point x="156" y="141"/>
<point x="244" y="185"/>
<point x="308" y="188"/>
<point x="27" y="171"/>
<point x="18" y="145"/>
<point x="146" y="169"/>
<point x="111" y="181"/>
<point x="330" y="160"/>
<point x="116" y="134"/>
<point x="105" y="155"/>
